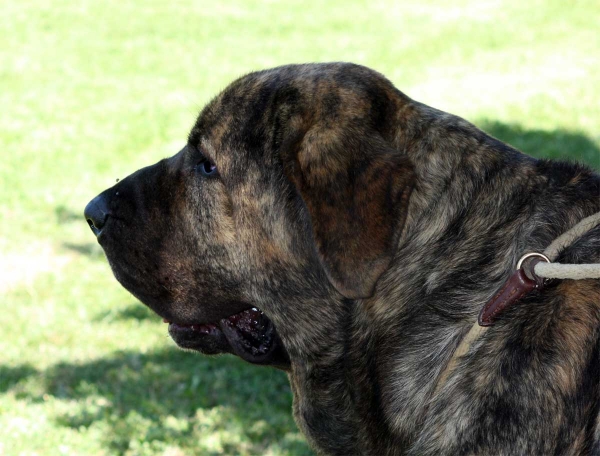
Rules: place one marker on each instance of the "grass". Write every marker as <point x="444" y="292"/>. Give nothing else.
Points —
<point x="94" y="90"/>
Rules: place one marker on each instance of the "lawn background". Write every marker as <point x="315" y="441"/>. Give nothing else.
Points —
<point x="92" y="90"/>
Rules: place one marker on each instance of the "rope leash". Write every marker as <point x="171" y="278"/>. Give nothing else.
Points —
<point x="543" y="268"/>
<point x="568" y="271"/>
<point x="550" y="270"/>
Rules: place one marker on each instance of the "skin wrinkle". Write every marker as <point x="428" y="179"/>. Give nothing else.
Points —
<point x="370" y="229"/>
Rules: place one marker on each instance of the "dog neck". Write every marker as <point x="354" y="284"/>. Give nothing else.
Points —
<point x="477" y="206"/>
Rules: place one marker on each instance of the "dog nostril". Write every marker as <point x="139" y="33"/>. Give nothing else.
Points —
<point x="96" y="213"/>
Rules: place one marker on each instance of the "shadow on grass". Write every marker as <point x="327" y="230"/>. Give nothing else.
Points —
<point x="135" y="311"/>
<point x="90" y="249"/>
<point x="556" y="144"/>
<point x="172" y="398"/>
<point x="10" y="376"/>
<point x="66" y="215"/>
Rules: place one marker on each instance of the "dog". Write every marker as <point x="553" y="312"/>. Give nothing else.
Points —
<point x="320" y="221"/>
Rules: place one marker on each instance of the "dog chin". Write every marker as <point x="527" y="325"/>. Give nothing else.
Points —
<point x="249" y="334"/>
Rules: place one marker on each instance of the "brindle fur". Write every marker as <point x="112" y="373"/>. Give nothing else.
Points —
<point x="371" y="229"/>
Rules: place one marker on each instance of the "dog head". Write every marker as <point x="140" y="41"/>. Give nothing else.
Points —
<point x="292" y="188"/>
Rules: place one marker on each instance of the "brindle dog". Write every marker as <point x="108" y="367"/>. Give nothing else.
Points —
<point x="321" y="221"/>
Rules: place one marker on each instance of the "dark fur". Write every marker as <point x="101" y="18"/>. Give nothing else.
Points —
<point x="371" y="229"/>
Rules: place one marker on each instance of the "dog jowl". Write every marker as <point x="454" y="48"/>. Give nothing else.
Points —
<point x="320" y="221"/>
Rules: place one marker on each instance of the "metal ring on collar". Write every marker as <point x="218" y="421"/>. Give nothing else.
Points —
<point x="529" y="255"/>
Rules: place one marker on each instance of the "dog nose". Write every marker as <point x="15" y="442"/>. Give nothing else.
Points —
<point x="96" y="213"/>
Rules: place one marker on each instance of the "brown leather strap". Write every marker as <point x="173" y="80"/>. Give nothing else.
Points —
<point x="517" y="286"/>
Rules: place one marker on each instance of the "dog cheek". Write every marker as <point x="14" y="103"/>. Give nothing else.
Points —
<point x="201" y="259"/>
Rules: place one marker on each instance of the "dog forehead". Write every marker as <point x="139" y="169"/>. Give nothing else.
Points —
<point x="308" y="84"/>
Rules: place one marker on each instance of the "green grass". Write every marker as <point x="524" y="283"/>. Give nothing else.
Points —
<point x="91" y="91"/>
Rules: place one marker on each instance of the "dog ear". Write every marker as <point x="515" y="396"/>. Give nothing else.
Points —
<point x="356" y="190"/>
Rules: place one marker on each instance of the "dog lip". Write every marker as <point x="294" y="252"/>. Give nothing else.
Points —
<point x="207" y="339"/>
<point x="253" y="312"/>
<point x="215" y="328"/>
<point x="249" y="334"/>
<point x="205" y="328"/>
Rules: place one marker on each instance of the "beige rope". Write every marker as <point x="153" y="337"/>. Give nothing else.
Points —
<point x="474" y="332"/>
<point x="567" y="238"/>
<point x="567" y="271"/>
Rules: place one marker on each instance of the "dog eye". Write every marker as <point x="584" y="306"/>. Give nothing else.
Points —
<point x="206" y="168"/>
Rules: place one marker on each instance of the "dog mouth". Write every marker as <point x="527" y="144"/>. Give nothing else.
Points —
<point x="250" y="334"/>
